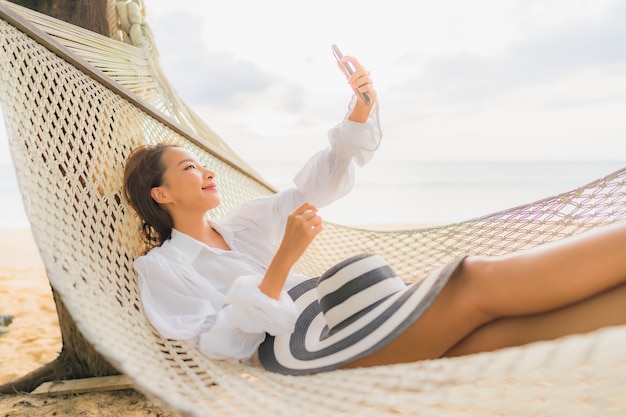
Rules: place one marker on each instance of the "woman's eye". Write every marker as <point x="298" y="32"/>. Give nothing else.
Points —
<point x="191" y="166"/>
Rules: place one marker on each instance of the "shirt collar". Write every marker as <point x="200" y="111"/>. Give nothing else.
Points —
<point x="190" y="248"/>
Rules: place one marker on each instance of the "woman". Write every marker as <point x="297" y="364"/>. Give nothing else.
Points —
<point x="222" y="285"/>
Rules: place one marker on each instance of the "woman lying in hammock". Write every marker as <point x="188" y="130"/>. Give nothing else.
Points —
<point x="227" y="286"/>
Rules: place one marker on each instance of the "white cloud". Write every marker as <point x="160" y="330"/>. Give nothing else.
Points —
<point x="201" y="75"/>
<point x="458" y="74"/>
<point x="464" y="73"/>
<point x="457" y="79"/>
<point x="546" y="56"/>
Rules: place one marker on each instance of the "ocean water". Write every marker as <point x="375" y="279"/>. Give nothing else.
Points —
<point x="429" y="192"/>
<point x="408" y="192"/>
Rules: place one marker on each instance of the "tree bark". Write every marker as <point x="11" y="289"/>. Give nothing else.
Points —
<point x="78" y="358"/>
<point x="88" y="14"/>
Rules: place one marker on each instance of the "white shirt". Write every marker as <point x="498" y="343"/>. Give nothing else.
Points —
<point x="209" y="296"/>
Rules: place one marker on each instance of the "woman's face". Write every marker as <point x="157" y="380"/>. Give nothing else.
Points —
<point x="187" y="186"/>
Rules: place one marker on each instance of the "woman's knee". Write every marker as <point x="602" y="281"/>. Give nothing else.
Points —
<point x="473" y="279"/>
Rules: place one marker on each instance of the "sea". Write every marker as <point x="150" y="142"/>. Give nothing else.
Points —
<point x="388" y="193"/>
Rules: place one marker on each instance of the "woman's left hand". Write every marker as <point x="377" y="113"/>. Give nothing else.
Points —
<point x="361" y="82"/>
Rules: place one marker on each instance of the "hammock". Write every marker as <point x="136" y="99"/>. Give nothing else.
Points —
<point x="70" y="130"/>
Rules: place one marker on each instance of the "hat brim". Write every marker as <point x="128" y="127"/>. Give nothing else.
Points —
<point x="311" y="348"/>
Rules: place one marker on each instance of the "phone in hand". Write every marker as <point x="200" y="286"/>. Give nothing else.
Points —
<point x="349" y="69"/>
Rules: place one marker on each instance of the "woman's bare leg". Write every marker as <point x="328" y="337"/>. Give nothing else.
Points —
<point x="449" y="319"/>
<point x="535" y="281"/>
<point x="605" y="309"/>
<point x="552" y="275"/>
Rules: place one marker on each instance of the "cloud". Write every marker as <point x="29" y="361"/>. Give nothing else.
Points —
<point x="204" y="77"/>
<point x="200" y="76"/>
<point x="545" y="57"/>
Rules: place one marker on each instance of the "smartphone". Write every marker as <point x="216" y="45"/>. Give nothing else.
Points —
<point x="338" y="55"/>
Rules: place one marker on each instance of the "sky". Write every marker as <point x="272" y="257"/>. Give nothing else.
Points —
<point x="486" y="79"/>
<point x="457" y="80"/>
<point x="499" y="79"/>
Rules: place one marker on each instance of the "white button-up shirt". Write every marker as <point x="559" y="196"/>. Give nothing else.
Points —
<point x="209" y="296"/>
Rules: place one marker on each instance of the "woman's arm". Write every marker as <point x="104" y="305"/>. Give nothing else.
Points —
<point x="326" y="177"/>
<point x="303" y="225"/>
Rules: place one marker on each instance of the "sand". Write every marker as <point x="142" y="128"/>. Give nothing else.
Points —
<point x="34" y="339"/>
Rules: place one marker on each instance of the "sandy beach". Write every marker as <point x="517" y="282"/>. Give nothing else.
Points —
<point x="34" y="339"/>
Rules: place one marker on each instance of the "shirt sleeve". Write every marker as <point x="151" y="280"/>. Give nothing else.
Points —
<point x="329" y="174"/>
<point x="240" y="327"/>
<point x="182" y="305"/>
<point x="326" y="177"/>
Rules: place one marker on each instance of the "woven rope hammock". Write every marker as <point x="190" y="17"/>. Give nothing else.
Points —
<point x="70" y="130"/>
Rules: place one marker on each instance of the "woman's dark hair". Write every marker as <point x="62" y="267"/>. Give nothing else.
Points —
<point x="144" y="171"/>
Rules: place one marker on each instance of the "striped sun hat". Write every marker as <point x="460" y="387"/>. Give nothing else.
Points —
<point x="355" y="308"/>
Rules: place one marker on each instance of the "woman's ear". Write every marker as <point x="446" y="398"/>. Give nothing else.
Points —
<point x="159" y="195"/>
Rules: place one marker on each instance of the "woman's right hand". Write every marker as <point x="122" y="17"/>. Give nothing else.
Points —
<point x="303" y="225"/>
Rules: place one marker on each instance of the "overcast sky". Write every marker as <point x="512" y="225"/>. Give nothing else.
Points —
<point x="457" y="80"/>
<point x="500" y="79"/>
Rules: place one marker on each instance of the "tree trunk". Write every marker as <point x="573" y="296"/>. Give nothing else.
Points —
<point x="78" y="358"/>
<point x="88" y="14"/>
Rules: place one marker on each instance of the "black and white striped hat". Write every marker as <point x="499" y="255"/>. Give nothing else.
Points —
<point x="354" y="309"/>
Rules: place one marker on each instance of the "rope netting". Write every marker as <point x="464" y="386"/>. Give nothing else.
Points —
<point x="70" y="131"/>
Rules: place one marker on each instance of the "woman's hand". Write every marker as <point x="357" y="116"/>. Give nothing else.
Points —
<point x="361" y="82"/>
<point x="303" y="225"/>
